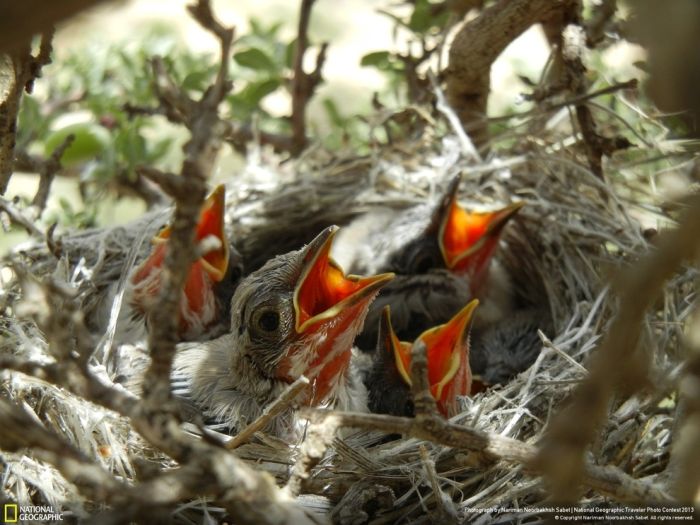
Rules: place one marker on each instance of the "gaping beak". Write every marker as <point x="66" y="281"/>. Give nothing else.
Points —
<point x="330" y="308"/>
<point x="401" y="351"/>
<point x="211" y="223"/>
<point x="468" y="239"/>
<point x="210" y="268"/>
<point x="323" y="290"/>
<point x="447" y="348"/>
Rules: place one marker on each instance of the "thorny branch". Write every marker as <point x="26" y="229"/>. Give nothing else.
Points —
<point x="206" y="469"/>
<point x="189" y="191"/>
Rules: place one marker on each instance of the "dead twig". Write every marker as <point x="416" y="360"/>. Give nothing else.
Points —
<point x="446" y="511"/>
<point x="287" y="398"/>
<point x="17" y="217"/>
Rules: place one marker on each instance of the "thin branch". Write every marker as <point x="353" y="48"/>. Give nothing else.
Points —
<point x="446" y="512"/>
<point x="17" y="217"/>
<point x="610" y="481"/>
<point x="49" y="168"/>
<point x="303" y="84"/>
<point x="284" y="401"/>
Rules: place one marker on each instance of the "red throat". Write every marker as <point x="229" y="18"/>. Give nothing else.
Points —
<point x="447" y="348"/>
<point x="468" y="240"/>
<point x="329" y="308"/>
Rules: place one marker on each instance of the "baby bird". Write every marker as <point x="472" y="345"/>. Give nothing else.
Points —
<point x="207" y="292"/>
<point x="388" y="379"/>
<point x="443" y="256"/>
<point x="297" y="315"/>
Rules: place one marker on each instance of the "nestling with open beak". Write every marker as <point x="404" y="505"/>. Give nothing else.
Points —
<point x="206" y="295"/>
<point x="432" y="248"/>
<point x="298" y="314"/>
<point x="388" y="379"/>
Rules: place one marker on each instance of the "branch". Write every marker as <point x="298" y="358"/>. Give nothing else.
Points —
<point x="21" y="20"/>
<point x="303" y="84"/>
<point x="201" y="118"/>
<point x="610" y="481"/>
<point x="477" y="45"/>
<point x="25" y="69"/>
<point x="18" y="218"/>
<point x="617" y="364"/>
<point x="284" y="401"/>
<point x="48" y="169"/>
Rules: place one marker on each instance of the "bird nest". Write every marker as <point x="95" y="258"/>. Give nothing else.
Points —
<point x="561" y="250"/>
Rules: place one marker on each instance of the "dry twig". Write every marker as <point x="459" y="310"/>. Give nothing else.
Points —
<point x="303" y="84"/>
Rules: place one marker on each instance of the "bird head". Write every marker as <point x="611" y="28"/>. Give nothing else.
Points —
<point x="468" y="240"/>
<point x="197" y="304"/>
<point x="447" y="348"/>
<point x="299" y="314"/>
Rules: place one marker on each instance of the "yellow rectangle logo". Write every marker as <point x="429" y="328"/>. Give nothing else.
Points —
<point x="10" y="513"/>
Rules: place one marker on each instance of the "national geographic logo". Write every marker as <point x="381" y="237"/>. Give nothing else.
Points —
<point x="13" y="513"/>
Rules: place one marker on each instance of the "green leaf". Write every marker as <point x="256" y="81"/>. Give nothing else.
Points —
<point x="333" y="113"/>
<point x="254" y="92"/>
<point x="290" y="53"/>
<point x="420" y="18"/>
<point x="196" y="81"/>
<point x="255" y="58"/>
<point x="90" y="140"/>
<point x="378" y="59"/>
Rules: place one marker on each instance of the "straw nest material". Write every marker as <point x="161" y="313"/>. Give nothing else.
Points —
<point x="573" y="232"/>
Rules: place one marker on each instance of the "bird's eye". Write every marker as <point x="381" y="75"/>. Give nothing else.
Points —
<point x="268" y="321"/>
<point x="423" y="262"/>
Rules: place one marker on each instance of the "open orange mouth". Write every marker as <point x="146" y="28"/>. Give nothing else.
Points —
<point x="211" y="223"/>
<point x="209" y="268"/>
<point x="464" y="234"/>
<point x="447" y="348"/>
<point x="323" y="290"/>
